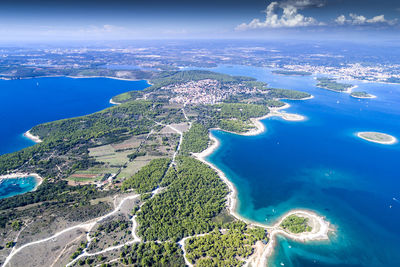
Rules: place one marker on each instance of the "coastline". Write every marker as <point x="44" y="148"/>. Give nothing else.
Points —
<point x="260" y="128"/>
<point x="16" y="175"/>
<point x="114" y="103"/>
<point x="107" y="77"/>
<point x="32" y="137"/>
<point x="320" y="228"/>
<point x="364" y="97"/>
<point x="393" y="140"/>
<point x="73" y="77"/>
<point x="305" y="98"/>
<point x="318" y="233"/>
<point x="274" y="112"/>
<point x="347" y="91"/>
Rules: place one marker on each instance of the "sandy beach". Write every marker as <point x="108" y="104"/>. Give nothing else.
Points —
<point x="114" y="103"/>
<point x="320" y="230"/>
<point x="32" y="137"/>
<point x="259" y="128"/>
<point x="348" y="91"/>
<point x="391" y="139"/>
<point x="305" y="98"/>
<point x="274" y="112"/>
<point x="231" y="198"/>
<point x="15" y="175"/>
<point x="107" y="77"/>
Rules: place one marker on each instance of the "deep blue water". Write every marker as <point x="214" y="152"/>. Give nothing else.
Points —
<point x="319" y="164"/>
<point x="26" y="103"/>
<point x="12" y="187"/>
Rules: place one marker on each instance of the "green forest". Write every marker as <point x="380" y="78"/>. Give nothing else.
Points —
<point x="332" y="84"/>
<point x="148" y="177"/>
<point x="195" y="140"/>
<point x="224" y="247"/>
<point x="286" y="94"/>
<point x="296" y="224"/>
<point x="195" y="195"/>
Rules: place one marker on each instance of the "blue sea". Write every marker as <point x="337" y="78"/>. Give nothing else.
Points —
<point x="319" y="164"/>
<point x="28" y="102"/>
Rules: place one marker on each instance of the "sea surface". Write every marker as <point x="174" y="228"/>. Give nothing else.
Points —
<point x="320" y="165"/>
<point x="12" y="187"/>
<point x="28" y="102"/>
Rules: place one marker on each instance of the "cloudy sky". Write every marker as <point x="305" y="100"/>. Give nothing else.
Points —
<point x="158" y="19"/>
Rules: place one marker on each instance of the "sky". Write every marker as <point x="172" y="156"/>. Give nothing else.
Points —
<point x="43" y="20"/>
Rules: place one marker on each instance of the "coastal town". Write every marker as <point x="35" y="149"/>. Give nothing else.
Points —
<point x="353" y="71"/>
<point x="207" y="91"/>
<point x="129" y="62"/>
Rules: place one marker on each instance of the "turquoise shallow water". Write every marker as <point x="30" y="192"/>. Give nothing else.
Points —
<point x="319" y="164"/>
<point x="12" y="187"/>
<point x="28" y="102"/>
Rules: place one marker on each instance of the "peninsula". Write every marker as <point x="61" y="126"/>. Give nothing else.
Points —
<point x="134" y="177"/>
<point x="332" y="85"/>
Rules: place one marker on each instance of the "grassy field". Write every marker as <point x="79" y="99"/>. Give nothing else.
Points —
<point x="134" y="166"/>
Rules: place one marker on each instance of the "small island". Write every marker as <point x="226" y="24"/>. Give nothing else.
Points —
<point x="332" y="85"/>
<point x="296" y="224"/>
<point x="377" y="137"/>
<point x="361" y="94"/>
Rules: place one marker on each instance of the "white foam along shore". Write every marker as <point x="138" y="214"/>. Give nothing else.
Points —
<point x="320" y="230"/>
<point x="108" y="77"/>
<point x="347" y="91"/>
<point x="364" y="97"/>
<point x="114" y="103"/>
<point x="32" y="137"/>
<point x="376" y="137"/>
<point x="274" y="112"/>
<point x="320" y="227"/>
<point x="17" y="175"/>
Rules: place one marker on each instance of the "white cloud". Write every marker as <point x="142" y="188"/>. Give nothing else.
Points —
<point x="289" y="18"/>
<point x="355" y="19"/>
<point x="341" y="20"/>
<point x="377" y="19"/>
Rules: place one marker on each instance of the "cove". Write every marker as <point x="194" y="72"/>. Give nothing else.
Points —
<point x="14" y="186"/>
